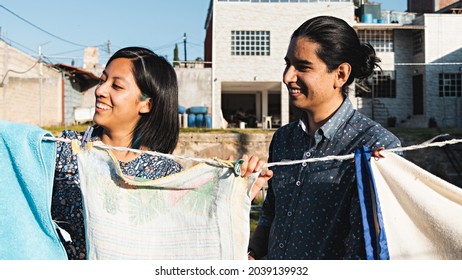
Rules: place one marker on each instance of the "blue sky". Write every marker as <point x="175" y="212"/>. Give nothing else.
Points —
<point x="156" y="24"/>
<point x="396" y="5"/>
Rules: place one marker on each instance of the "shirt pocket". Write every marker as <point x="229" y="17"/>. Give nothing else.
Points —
<point x="332" y="172"/>
<point x="283" y="180"/>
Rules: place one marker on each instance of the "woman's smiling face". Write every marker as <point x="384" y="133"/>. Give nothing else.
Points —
<point x="118" y="97"/>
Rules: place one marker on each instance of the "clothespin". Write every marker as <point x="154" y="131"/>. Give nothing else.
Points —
<point x="376" y="153"/>
<point x="237" y="167"/>
<point x="86" y="138"/>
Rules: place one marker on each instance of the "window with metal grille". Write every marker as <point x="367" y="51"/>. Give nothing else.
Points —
<point x="417" y="41"/>
<point x="450" y="84"/>
<point x="250" y="43"/>
<point x="381" y="84"/>
<point x="381" y="40"/>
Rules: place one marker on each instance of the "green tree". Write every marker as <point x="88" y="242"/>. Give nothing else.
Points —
<point x="176" y="58"/>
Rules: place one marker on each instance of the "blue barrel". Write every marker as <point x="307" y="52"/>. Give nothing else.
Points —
<point x="198" y="110"/>
<point x="191" y="120"/>
<point x="367" y="18"/>
<point x="208" y="121"/>
<point x="181" y="109"/>
<point x="199" y="120"/>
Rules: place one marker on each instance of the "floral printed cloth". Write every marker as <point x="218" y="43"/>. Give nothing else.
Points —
<point x="67" y="209"/>
<point x="199" y="213"/>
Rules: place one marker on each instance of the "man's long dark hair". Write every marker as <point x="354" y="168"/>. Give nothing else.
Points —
<point x="339" y="43"/>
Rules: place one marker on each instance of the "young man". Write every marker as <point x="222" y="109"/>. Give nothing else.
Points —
<point x="312" y="209"/>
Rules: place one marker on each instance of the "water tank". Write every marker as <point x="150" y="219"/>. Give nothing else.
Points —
<point x="199" y="120"/>
<point x="198" y="110"/>
<point x="191" y="120"/>
<point x="366" y="18"/>
<point x="371" y="8"/>
<point x="208" y="121"/>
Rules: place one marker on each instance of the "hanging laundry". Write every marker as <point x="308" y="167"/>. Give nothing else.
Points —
<point x="26" y="184"/>
<point x="421" y="213"/>
<point x="200" y="213"/>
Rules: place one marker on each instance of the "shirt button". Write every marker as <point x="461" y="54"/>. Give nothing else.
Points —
<point x="307" y="154"/>
<point x="281" y="245"/>
<point x="289" y="213"/>
<point x="304" y="164"/>
<point x="298" y="183"/>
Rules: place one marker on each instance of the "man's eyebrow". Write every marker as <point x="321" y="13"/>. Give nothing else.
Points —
<point x="299" y="61"/>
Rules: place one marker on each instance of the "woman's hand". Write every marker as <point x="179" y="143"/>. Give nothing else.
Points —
<point x="252" y="165"/>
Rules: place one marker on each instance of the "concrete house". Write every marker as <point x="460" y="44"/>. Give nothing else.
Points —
<point x="34" y="92"/>
<point x="420" y="84"/>
<point x="30" y="91"/>
<point x="246" y="42"/>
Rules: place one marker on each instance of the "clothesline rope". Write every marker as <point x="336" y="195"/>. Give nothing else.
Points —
<point x="288" y="162"/>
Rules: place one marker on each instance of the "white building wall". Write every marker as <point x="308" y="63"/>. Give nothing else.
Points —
<point x="443" y="47"/>
<point x="194" y="86"/>
<point x="281" y="19"/>
<point x="401" y="106"/>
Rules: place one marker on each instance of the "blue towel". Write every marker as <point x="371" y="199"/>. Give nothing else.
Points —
<point x="375" y="237"/>
<point x="26" y="184"/>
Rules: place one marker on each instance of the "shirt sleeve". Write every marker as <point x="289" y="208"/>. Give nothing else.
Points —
<point x="387" y="140"/>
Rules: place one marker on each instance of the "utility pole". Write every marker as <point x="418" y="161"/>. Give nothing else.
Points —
<point x="41" y="82"/>
<point x="109" y="47"/>
<point x="184" y="42"/>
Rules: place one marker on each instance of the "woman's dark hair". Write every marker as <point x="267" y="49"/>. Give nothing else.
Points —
<point x="339" y="43"/>
<point x="157" y="130"/>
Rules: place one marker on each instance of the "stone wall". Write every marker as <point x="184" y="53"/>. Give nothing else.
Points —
<point x="224" y="145"/>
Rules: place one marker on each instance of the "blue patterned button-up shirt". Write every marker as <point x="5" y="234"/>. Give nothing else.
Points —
<point x="313" y="208"/>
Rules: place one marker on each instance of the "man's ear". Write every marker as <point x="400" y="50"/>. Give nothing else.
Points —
<point x="146" y="106"/>
<point x="343" y="73"/>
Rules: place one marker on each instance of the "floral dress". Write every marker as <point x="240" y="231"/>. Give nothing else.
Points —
<point x="66" y="207"/>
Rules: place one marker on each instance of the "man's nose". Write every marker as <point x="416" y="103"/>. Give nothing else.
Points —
<point x="290" y="75"/>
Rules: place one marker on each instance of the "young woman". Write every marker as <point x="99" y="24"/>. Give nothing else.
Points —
<point x="136" y="107"/>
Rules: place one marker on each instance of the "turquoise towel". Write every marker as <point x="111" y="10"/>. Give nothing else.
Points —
<point x="26" y="184"/>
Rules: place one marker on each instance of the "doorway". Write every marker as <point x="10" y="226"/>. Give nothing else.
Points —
<point x="239" y="107"/>
<point x="417" y="95"/>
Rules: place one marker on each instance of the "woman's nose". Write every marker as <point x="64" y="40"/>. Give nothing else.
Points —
<point x="100" y="90"/>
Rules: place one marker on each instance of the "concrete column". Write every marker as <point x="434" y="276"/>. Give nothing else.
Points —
<point x="216" y="104"/>
<point x="264" y="101"/>
<point x="258" y="110"/>
<point x="284" y="104"/>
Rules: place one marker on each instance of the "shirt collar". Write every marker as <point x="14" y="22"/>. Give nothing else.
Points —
<point x="330" y="127"/>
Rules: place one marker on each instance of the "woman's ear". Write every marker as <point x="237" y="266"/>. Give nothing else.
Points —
<point x="145" y="106"/>
<point x="343" y="73"/>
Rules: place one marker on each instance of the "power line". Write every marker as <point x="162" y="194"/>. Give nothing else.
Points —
<point x="13" y="43"/>
<point x="18" y="72"/>
<point x="41" y="29"/>
<point x="65" y="52"/>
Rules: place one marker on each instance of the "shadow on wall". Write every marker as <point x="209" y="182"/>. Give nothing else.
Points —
<point x="222" y="145"/>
